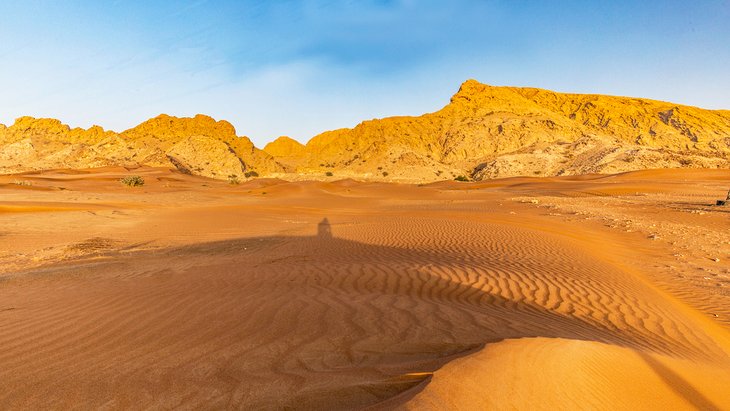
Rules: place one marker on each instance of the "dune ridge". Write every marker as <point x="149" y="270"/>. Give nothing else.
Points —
<point x="528" y="372"/>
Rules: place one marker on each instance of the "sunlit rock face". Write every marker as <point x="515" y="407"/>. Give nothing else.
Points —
<point x="488" y="131"/>
<point x="200" y="144"/>
<point x="206" y="156"/>
<point x="484" y="132"/>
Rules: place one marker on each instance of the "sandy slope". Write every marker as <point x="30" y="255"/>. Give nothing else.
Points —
<point x="192" y="293"/>
<point x="548" y="374"/>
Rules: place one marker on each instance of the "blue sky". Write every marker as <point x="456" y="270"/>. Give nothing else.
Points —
<point x="298" y="68"/>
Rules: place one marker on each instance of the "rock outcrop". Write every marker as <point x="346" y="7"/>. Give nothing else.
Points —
<point x="284" y="147"/>
<point x="206" y="156"/>
<point x="200" y="144"/>
<point x="159" y="134"/>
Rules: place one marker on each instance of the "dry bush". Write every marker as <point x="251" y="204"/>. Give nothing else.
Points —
<point x="132" y="181"/>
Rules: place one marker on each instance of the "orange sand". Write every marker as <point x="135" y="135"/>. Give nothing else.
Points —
<point x="519" y="293"/>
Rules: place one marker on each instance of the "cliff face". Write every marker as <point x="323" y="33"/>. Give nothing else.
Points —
<point x="490" y="131"/>
<point x="483" y="132"/>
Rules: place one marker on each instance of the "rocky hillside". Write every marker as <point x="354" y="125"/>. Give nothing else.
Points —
<point x="490" y="131"/>
<point x="198" y="145"/>
<point x="484" y="132"/>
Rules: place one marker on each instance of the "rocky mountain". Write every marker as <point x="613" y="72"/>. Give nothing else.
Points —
<point x="483" y="132"/>
<point x="488" y="131"/>
<point x="198" y="145"/>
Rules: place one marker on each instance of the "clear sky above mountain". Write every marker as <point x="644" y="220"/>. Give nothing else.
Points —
<point x="301" y="67"/>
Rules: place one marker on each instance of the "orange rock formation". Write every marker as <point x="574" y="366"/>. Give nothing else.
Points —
<point x="490" y="131"/>
<point x="483" y="132"/>
<point x="198" y="145"/>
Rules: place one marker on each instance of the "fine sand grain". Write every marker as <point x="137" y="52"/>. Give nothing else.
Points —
<point x="593" y="292"/>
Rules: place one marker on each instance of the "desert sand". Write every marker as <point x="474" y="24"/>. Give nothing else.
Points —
<point x="586" y="292"/>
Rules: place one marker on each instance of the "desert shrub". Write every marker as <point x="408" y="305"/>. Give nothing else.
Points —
<point x="233" y="179"/>
<point x="462" y="178"/>
<point x="385" y="174"/>
<point x="250" y="174"/>
<point x="328" y="174"/>
<point x="132" y="181"/>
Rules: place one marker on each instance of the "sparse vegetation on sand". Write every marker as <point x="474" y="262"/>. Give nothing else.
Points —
<point x="132" y="181"/>
<point x="250" y="174"/>
<point x="22" y="183"/>
<point x="328" y="174"/>
<point x="233" y="179"/>
<point x="461" y="178"/>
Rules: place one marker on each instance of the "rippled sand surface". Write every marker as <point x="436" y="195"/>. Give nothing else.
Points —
<point x="595" y="292"/>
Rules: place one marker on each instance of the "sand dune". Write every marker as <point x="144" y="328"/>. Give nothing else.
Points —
<point x="516" y="293"/>
<point x="527" y="374"/>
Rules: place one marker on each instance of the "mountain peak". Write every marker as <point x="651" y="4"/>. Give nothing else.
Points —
<point x="468" y="89"/>
<point x="472" y="84"/>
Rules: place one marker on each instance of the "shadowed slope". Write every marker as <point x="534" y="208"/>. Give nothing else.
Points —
<point x="316" y="322"/>
<point x="527" y="374"/>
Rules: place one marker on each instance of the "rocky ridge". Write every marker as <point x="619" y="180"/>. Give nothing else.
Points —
<point x="484" y="132"/>
<point x="487" y="132"/>
<point x="198" y="145"/>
